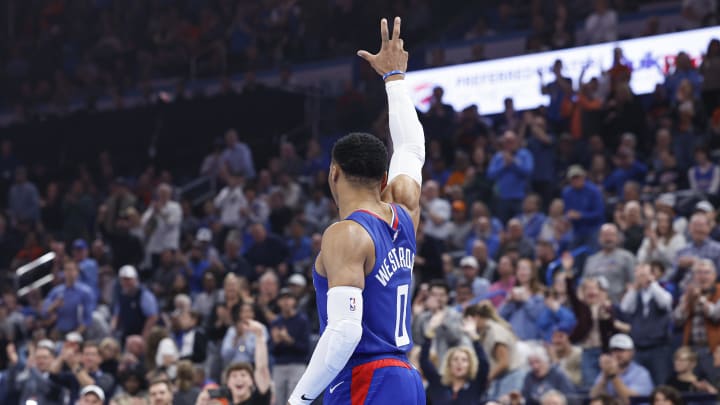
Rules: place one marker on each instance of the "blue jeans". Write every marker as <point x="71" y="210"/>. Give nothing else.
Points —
<point x="658" y="361"/>
<point x="590" y="366"/>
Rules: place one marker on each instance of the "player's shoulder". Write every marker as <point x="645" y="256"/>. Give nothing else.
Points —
<point x="345" y="233"/>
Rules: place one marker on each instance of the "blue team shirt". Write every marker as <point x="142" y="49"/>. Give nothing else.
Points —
<point x="386" y="297"/>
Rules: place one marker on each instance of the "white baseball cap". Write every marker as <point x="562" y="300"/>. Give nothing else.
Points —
<point x="297" y="279"/>
<point x="469" y="261"/>
<point x="704" y="206"/>
<point x="93" y="389"/>
<point x="128" y="271"/>
<point x="74" y="337"/>
<point x="203" y="235"/>
<point x="621" y="341"/>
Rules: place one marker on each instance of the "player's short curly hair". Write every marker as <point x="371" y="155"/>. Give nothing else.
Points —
<point x="361" y="156"/>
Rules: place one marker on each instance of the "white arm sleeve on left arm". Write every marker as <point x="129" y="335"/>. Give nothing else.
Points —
<point x="336" y="345"/>
<point x="406" y="132"/>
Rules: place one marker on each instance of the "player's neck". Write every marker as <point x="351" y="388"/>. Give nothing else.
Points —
<point x="350" y="199"/>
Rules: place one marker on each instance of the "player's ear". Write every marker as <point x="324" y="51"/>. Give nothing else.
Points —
<point x="334" y="173"/>
<point x="384" y="182"/>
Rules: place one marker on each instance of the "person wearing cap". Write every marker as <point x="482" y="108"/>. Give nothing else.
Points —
<point x="88" y="266"/>
<point x="699" y="246"/>
<point x="647" y="308"/>
<point x="162" y="222"/>
<point x="584" y="206"/>
<point x="511" y="169"/>
<point x="136" y="309"/>
<point x="470" y="274"/>
<point x="71" y="303"/>
<point x="31" y="379"/>
<point x="620" y="375"/>
<point x="91" y="395"/>
<point x="614" y="263"/>
<point x="290" y="345"/>
<point x="699" y="313"/>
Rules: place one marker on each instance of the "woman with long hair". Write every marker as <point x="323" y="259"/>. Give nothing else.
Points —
<point x="525" y="302"/>
<point x="661" y="242"/>
<point x="684" y="378"/>
<point x="506" y="373"/>
<point x="462" y="378"/>
<point x="239" y="342"/>
<point x="187" y="392"/>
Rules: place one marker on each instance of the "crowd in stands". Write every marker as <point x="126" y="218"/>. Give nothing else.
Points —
<point x="565" y="253"/>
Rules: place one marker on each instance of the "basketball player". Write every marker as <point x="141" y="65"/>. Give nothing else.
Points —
<point x="362" y="275"/>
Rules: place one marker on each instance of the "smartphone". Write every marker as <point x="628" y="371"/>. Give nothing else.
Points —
<point x="219" y="393"/>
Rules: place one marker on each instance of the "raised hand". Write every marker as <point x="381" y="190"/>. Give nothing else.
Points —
<point x="11" y="354"/>
<point x="391" y="56"/>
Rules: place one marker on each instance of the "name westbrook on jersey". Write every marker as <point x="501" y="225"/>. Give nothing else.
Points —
<point x="396" y="259"/>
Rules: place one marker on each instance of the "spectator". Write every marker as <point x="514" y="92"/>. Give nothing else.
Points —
<point x="664" y="395"/>
<point x="566" y="355"/>
<point x="132" y="387"/>
<point x="684" y="70"/>
<point x="584" y="206"/>
<point x="684" y="378"/>
<point x="482" y="232"/>
<point x="30" y="380"/>
<point x="506" y="373"/>
<point x="501" y="289"/>
<point x="486" y="265"/>
<point x="621" y="376"/>
<point x="704" y="177"/>
<point x="438" y="225"/>
<point x="532" y="219"/>
<point x="514" y="240"/>
<point x="439" y="322"/>
<point x="510" y="168"/>
<point x="290" y="346"/>
<point x="470" y="274"/>
<point x="632" y="225"/>
<point x="602" y="24"/>
<point x="119" y="200"/>
<point x="127" y="247"/>
<point x="661" y="242"/>
<point x="231" y="203"/>
<point x="136" y="309"/>
<point x="205" y="300"/>
<point x="612" y="262"/>
<point x="232" y="260"/>
<point x="161" y="393"/>
<point x="543" y="378"/>
<point x="88" y="266"/>
<point x="267" y="249"/>
<point x="648" y="307"/>
<point x="699" y="246"/>
<point x="554" y="317"/>
<point x="710" y="70"/>
<point x="299" y="243"/>
<point x="23" y="199"/>
<point x="220" y="319"/>
<point x="81" y="373"/>
<point x="553" y="397"/>
<point x="91" y="395"/>
<point x="698" y="313"/>
<point x="627" y="168"/>
<point x="189" y="338"/>
<point x="541" y="144"/>
<point x="524" y="304"/>
<point x="187" y="391"/>
<point x="463" y="375"/>
<point x="241" y="340"/>
<point x="162" y="223"/>
<point x="460" y="226"/>
<point x="68" y="301"/>
<point x="560" y="92"/>
<point x="236" y="158"/>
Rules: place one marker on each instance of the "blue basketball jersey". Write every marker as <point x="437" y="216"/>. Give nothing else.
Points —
<point x="386" y="297"/>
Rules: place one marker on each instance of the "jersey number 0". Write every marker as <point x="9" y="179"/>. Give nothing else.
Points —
<point x="401" y="335"/>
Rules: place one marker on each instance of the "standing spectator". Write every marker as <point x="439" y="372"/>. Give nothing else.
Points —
<point x="267" y="249"/>
<point x="187" y="390"/>
<point x="560" y="92"/>
<point x="602" y="24"/>
<point x="531" y="218"/>
<point x="161" y="393"/>
<point x="541" y="143"/>
<point x="438" y="322"/>
<point x="71" y="304"/>
<point x="710" y="70"/>
<point x="510" y="168"/>
<point x="232" y="203"/>
<point x="621" y="376"/>
<point x="81" y="371"/>
<point x="23" y="199"/>
<point x="524" y="303"/>
<point x="612" y="262"/>
<point x="506" y="372"/>
<point x="236" y="158"/>
<point x="647" y="307"/>
<point x="704" y="177"/>
<point x="126" y="247"/>
<point x="89" y="268"/>
<point x="699" y="312"/>
<point x="119" y="201"/>
<point x="136" y="309"/>
<point x="699" y="246"/>
<point x="584" y="206"/>
<point x="291" y="346"/>
<point x="631" y="224"/>
<point x="30" y="380"/>
<point x="162" y="223"/>
<point x="661" y="242"/>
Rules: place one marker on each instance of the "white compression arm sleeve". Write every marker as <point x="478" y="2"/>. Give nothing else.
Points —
<point x="336" y="345"/>
<point x="406" y="133"/>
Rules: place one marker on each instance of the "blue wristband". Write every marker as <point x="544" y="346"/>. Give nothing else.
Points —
<point x="392" y="73"/>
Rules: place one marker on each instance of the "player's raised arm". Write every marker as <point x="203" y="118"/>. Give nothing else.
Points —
<point x="405" y="173"/>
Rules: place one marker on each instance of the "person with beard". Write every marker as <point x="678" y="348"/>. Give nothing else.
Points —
<point x="31" y="379"/>
<point x="621" y="376"/>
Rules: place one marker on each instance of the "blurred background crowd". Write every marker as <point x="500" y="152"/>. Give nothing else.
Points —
<point x="567" y="253"/>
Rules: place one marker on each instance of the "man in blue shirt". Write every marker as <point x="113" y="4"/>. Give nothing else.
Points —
<point x="87" y="265"/>
<point x="136" y="309"/>
<point x="621" y="377"/>
<point x="510" y="168"/>
<point x="584" y="207"/>
<point x="72" y="303"/>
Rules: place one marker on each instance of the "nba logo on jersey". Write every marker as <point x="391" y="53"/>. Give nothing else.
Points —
<point x="352" y="303"/>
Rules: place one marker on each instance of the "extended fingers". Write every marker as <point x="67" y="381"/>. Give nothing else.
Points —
<point x="384" y="31"/>
<point x="396" y="29"/>
<point x="365" y="55"/>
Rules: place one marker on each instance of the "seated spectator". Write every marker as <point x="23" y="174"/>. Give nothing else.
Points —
<point x="666" y="395"/>
<point x="524" y="304"/>
<point x="621" y="376"/>
<point x="698" y="313"/>
<point x="189" y="338"/>
<point x="628" y="168"/>
<point x="205" y="300"/>
<point x="566" y="355"/>
<point x="500" y="290"/>
<point x="470" y="274"/>
<point x="612" y="262"/>
<point x="482" y="231"/>
<point x="162" y="354"/>
<point x="605" y="399"/>
<point x="684" y="378"/>
<point x="132" y="387"/>
<point x="700" y="246"/>
<point x="506" y="372"/>
<point x="647" y="307"/>
<point x="704" y="177"/>
<point x="486" y="265"/>
<point x="532" y="219"/>
<point x="543" y="377"/>
<point x="632" y="225"/>
<point x="464" y="371"/>
<point x="267" y="249"/>
<point x="236" y="158"/>
<point x="30" y="379"/>
<point x="661" y="242"/>
<point x="514" y="239"/>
